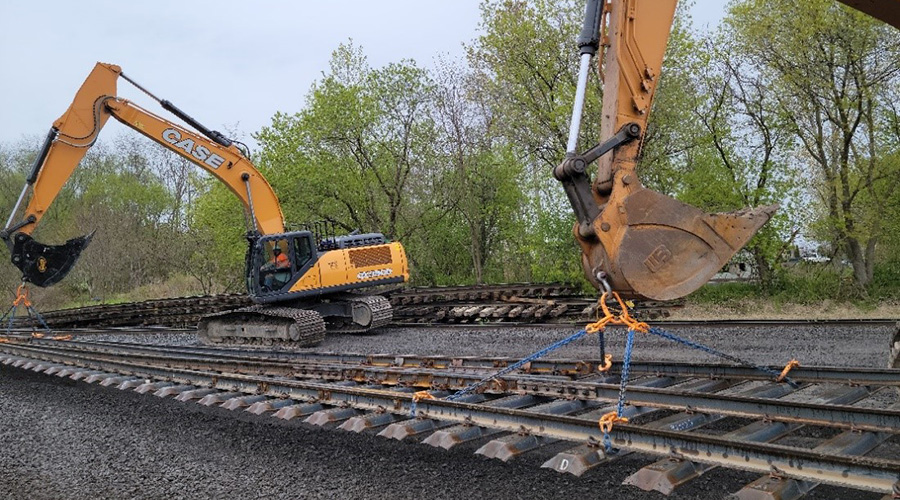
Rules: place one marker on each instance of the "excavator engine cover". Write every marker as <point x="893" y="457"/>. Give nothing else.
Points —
<point x="42" y="264"/>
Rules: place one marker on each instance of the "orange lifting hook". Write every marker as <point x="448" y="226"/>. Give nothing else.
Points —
<point x="624" y="318"/>
<point x="22" y="297"/>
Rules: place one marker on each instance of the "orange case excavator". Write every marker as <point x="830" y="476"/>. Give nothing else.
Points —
<point x="298" y="298"/>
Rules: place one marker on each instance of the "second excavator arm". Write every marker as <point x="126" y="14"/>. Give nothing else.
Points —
<point x="77" y="130"/>
<point x="634" y="240"/>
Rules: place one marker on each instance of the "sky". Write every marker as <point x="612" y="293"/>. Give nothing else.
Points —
<point x="230" y="64"/>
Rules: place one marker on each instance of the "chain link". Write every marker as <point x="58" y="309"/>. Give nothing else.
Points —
<point x="714" y="352"/>
<point x="23" y="299"/>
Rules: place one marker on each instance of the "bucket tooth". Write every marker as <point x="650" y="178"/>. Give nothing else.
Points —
<point x="736" y="228"/>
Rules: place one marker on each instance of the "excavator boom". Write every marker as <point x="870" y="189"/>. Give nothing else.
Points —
<point x="77" y="130"/>
<point x="634" y="240"/>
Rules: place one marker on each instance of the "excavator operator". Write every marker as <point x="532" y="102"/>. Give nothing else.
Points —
<point x="277" y="264"/>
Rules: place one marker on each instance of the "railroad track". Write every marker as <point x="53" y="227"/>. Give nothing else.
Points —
<point x="830" y="427"/>
<point x="175" y="312"/>
<point x="516" y="303"/>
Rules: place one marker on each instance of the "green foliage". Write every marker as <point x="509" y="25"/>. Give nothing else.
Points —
<point x="833" y="72"/>
<point x="550" y="247"/>
<point x="529" y="56"/>
<point x="886" y="280"/>
<point x="454" y="162"/>
<point x="804" y="284"/>
<point x="128" y="209"/>
<point x="726" y="294"/>
<point x="807" y="283"/>
<point x="674" y="133"/>
<point x="528" y="64"/>
<point x="217" y="235"/>
<point x="353" y="154"/>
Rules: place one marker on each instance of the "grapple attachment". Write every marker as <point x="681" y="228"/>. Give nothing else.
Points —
<point x="42" y="264"/>
<point x="653" y="246"/>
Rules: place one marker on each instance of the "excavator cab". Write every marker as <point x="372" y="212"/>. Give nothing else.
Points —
<point x="277" y="261"/>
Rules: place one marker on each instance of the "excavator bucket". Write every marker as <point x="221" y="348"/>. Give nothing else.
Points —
<point x="636" y="241"/>
<point x="654" y="246"/>
<point x="42" y="264"/>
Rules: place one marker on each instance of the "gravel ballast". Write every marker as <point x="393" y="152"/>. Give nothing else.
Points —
<point x="71" y="440"/>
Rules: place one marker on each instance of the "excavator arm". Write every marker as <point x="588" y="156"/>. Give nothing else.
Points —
<point x="887" y="11"/>
<point x="77" y="130"/>
<point x="634" y="240"/>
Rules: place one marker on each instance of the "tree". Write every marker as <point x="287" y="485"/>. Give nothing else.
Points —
<point x="217" y="225"/>
<point x="528" y="61"/>
<point x="829" y="67"/>
<point x="116" y="194"/>
<point x="749" y="145"/>
<point x="362" y="153"/>
<point x="352" y="154"/>
<point x="129" y="209"/>
<point x="14" y="162"/>
<point x="481" y="190"/>
<point x="529" y="57"/>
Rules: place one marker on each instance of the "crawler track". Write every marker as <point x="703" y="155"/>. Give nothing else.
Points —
<point x="832" y="428"/>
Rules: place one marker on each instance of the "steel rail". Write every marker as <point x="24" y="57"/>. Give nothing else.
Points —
<point x="879" y="475"/>
<point x="567" y="367"/>
<point x="563" y="367"/>
<point x="408" y="304"/>
<point x="806" y="374"/>
<point x="831" y="415"/>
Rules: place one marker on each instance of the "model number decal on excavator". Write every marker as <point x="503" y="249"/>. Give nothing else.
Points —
<point x="199" y="152"/>
<point x="660" y="256"/>
<point x="374" y="274"/>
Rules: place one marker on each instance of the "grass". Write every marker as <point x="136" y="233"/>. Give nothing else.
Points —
<point x="62" y="297"/>
<point x="805" y="291"/>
